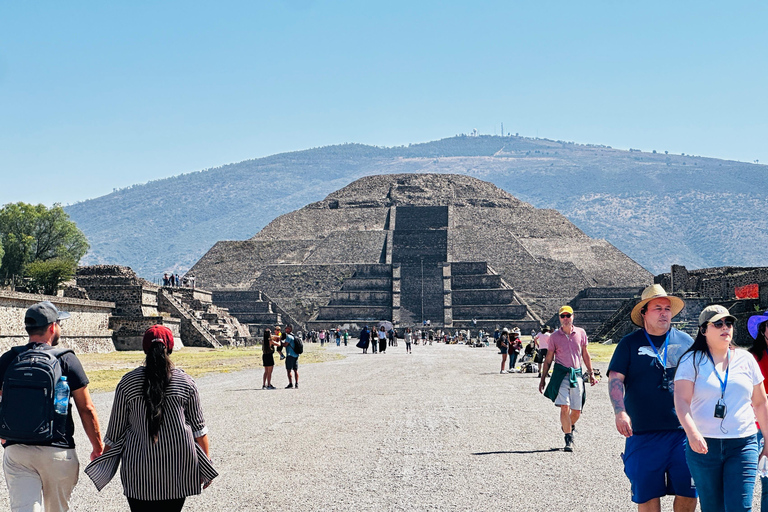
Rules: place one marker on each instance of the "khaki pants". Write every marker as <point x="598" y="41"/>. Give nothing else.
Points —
<point x="40" y="474"/>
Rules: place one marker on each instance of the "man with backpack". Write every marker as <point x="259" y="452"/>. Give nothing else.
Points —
<point x="40" y="462"/>
<point x="294" y="348"/>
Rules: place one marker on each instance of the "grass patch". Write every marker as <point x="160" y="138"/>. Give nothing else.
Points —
<point x="601" y="353"/>
<point x="105" y="370"/>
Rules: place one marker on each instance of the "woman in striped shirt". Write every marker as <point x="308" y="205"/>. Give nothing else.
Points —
<point x="157" y="427"/>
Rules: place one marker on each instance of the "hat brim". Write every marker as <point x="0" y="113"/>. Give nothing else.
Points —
<point x="720" y="317"/>
<point x="754" y="323"/>
<point x="676" y="303"/>
<point x="63" y="315"/>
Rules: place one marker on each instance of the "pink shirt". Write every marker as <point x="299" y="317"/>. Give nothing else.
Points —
<point x="543" y="339"/>
<point x="568" y="348"/>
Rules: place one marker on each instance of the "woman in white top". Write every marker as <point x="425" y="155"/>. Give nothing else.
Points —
<point x="718" y="394"/>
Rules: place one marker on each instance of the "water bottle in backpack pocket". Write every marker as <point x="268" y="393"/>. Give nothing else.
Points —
<point x="32" y="386"/>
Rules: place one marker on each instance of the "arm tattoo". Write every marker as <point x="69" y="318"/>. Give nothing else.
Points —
<point x="616" y="392"/>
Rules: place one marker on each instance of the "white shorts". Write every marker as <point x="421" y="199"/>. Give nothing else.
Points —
<point x="572" y="397"/>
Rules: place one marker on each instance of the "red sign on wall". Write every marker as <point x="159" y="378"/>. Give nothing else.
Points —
<point x="750" y="291"/>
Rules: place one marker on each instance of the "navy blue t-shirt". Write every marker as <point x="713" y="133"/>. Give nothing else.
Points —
<point x="650" y="407"/>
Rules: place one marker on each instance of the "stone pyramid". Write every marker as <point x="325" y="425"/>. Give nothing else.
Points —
<point x="411" y="247"/>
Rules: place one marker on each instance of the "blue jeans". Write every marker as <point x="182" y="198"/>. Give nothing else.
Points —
<point x="763" y="481"/>
<point x="725" y="475"/>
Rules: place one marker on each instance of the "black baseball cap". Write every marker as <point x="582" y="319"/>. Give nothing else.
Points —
<point x="43" y="314"/>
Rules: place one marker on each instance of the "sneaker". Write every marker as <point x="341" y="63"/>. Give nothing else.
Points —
<point x="271" y="387"/>
<point x="503" y="371"/>
<point x="289" y="386"/>
<point x="568" y="443"/>
<point x="296" y="386"/>
<point x="264" y="387"/>
<point x="282" y="357"/>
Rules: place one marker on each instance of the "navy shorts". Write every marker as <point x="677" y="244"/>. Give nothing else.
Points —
<point x="291" y="363"/>
<point x="655" y="465"/>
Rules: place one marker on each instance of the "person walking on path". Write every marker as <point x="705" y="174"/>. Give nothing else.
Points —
<point x="757" y="325"/>
<point x="542" y="342"/>
<point x="291" y="359"/>
<point x="408" y="336"/>
<point x="365" y="339"/>
<point x="44" y="473"/>
<point x="503" y="343"/>
<point x="515" y="345"/>
<point x="718" y="395"/>
<point x="156" y="432"/>
<point x="382" y="334"/>
<point x="567" y="348"/>
<point x="641" y="372"/>
<point x="268" y="359"/>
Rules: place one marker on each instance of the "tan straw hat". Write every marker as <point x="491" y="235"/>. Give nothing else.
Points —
<point x="655" y="291"/>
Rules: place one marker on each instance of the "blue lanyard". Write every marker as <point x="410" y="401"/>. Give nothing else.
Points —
<point x="655" y="351"/>
<point x="723" y="383"/>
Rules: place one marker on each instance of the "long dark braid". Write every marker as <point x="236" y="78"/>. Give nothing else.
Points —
<point x="157" y="377"/>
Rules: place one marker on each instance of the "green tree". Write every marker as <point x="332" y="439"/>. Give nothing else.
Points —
<point x="30" y="233"/>
<point x="46" y="276"/>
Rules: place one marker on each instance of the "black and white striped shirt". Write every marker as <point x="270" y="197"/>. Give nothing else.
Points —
<point x="175" y="466"/>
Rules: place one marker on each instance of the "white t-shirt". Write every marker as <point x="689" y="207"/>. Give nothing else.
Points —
<point x="543" y="339"/>
<point x="744" y="374"/>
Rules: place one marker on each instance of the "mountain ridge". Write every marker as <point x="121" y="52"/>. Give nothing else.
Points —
<point x="657" y="208"/>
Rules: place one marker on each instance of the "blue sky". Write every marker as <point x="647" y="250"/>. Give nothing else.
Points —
<point x="101" y="95"/>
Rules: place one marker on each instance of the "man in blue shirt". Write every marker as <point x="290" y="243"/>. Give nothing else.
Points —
<point x="642" y="373"/>
<point x="291" y="359"/>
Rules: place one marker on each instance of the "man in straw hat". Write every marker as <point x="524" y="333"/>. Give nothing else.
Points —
<point x="567" y="347"/>
<point x="642" y="372"/>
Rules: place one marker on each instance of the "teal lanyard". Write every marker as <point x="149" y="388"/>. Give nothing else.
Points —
<point x="723" y="383"/>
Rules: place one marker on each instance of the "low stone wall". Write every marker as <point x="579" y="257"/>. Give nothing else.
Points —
<point x="129" y="331"/>
<point x="87" y="330"/>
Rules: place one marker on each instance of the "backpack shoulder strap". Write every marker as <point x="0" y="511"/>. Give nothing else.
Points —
<point x="58" y="352"/>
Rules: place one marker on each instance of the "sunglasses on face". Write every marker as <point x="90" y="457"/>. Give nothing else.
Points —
<point x="719" y="324"/>
<point x="565" y="315"/>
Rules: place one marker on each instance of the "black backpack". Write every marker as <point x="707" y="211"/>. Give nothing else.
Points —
<point x="26" y="410"/>
<point x="298" y="346"/>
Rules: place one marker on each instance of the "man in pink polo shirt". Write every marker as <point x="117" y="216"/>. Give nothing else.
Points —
<point x="567" y="347"/>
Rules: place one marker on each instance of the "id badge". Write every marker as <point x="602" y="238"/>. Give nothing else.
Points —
<point x="720" y="409"/>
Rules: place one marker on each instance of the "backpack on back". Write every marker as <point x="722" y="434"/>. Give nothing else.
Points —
<point x="298" y="346"/>
<point x="27" y="412"/>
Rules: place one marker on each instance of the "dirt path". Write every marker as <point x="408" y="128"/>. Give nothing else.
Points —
<point x="436" y="430"/>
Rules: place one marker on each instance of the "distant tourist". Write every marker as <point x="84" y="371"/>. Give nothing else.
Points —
<point x="278" y="337"/>
<point x="542" y="342"/>
<point x="166" y="281"/>
<point x="515" y="346"/>
<point x="382" y="334"/>
<point x="365" y="339"/>
<point x="338" y="338"/>
<point x="156" y="433"/>
<point x="176" y="280"/>
<point x="567" y="348"/>
<point x="268" y="359"/>
<point x="41" y="469"/>
<point x="642" y="372"/>
<point x="322" y="337"/>
<point x="408" y="335"/>
<point x="718" y="395"/>
<point x="291" y="359"/>
<point x="346" y="337"/>
<point x="503" y="345"/>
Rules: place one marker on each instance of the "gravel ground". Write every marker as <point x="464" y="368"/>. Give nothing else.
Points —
<point x="440" y="429"/>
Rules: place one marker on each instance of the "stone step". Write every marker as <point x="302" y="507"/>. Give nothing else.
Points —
<point x="474" y="282"/>
<point x="361" y="298"/>
<point x="511" y="312"/>
<point x="483" y="296"/>
<point x="600" y="303"/>
<point x="592" y="315"/>
<point x="373" y="284"/>
<point x="466" y="268"/>
<point x="368" y="313"/>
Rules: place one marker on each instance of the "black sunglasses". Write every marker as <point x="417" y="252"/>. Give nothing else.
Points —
<point x="719" y="323"/>
<point x="565" y="315"/>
